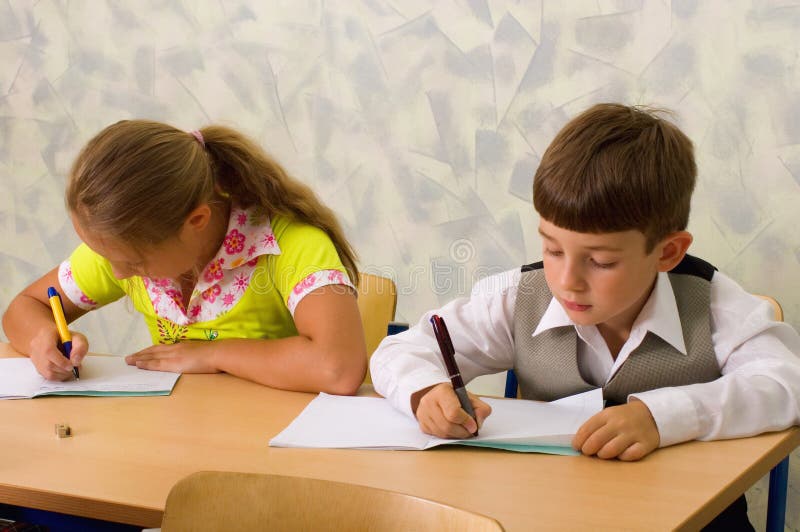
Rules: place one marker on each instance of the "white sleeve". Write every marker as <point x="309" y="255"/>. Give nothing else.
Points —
<point x="759" y="390"/>
<point x="481" y="327"/>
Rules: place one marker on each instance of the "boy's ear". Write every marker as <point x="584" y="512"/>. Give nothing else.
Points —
<point x="672" y="249"/>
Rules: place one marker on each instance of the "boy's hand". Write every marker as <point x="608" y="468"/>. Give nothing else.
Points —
<point x="627" y="432"/>
<point x="49" y="361"/>
<point x="439" y="412"/>
<point x="181" y="357"/>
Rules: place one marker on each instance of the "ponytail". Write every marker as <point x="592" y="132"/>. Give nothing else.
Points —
<point x="252" y="178"/>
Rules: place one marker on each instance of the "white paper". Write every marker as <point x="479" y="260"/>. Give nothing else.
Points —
<point x="332" y="421"/>
<point x="17" y="379"/>
<point x="100" y="375"/>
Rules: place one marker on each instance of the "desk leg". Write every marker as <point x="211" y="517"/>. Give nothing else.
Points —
<point x="776" y="505"/>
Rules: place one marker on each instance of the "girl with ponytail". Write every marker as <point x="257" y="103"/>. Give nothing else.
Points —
<point x="236" y="266"/>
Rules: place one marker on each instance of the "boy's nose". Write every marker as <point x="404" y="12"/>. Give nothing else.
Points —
<point x="571" y="278"/>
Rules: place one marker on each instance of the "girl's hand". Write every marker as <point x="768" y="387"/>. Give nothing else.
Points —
<point x="627" y="432"/>
<point x="439" y="412"/>
<point x="182" y="357"/>
<point x="49" y="361"/>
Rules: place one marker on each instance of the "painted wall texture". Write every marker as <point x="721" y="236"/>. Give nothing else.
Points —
<point x="420" y="122"/>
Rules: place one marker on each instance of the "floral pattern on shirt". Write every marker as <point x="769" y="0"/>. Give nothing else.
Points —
<point x="221" y="284"/>
<point x="312" y="282"/>
<point x="226" y="277"/>
<point x="71" y="290"/>
<point x="169" y="333"/>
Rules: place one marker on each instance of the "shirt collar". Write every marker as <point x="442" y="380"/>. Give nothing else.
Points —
<point x="554" y="316"/>
<point x="249" y="236"/>
<point x="659" y="316"/>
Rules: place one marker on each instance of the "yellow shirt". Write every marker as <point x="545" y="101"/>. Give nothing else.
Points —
<point x="249" y="290"/>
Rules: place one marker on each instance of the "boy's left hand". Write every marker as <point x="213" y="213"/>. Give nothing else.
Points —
<point x="627" y="432"/>
<point x="182" y="357"/>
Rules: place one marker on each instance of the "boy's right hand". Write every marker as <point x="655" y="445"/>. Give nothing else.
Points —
<point x="439" y="412"/>
<point x="49" y="361"/>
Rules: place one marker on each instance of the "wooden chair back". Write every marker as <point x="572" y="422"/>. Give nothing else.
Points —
<point x="377" y="302"/>
<point x="776" y="307"/>
<point x="214" y="500"/>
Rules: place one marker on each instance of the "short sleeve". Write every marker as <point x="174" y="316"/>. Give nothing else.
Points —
<point x="87" y="279"/>
<point x="308" y="260"/>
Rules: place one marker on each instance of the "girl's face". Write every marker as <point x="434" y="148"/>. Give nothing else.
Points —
<point x="168" y="259"/>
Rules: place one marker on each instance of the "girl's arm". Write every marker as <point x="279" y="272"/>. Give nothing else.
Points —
<point x="30" y="328"/>
<point x="327" y="355"/>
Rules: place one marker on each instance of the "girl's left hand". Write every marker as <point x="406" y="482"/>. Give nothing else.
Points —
<point x="182" y="357"/>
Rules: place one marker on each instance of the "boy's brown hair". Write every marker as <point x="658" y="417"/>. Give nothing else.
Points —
<point x="616" y="168"/>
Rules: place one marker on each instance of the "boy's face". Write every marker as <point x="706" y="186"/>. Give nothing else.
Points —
<point x="599" y="279"/>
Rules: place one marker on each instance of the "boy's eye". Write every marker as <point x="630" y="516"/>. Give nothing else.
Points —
<point x="603" y="265"/>
<point x="553" y="252"/>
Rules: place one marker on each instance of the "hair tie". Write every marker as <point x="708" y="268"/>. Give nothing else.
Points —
<point x="199" y="136"/>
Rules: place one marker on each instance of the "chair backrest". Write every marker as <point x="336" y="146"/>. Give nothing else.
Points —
<point x="214" y="500"/>
<point x="377" y="302"/>
<point x="776" y="307"/>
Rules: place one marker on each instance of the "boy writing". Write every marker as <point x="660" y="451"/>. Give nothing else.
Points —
<point x="681" y="350"/>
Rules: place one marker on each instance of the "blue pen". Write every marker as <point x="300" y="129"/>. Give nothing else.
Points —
<point x="61" y="324"/>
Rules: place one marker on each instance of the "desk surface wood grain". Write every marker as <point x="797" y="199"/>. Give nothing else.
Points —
<point x="127" y="452"/>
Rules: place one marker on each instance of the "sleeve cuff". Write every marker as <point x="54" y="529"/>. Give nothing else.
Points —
<point x="674" y="413"/>
<point x="313" y="281"/>
<point x="402" y="399"/>
<point x="398" y="391"/>
<point x="71" y="289"/>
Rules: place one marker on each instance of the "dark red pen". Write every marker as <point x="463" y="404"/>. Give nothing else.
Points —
<point x="448" y="355"/>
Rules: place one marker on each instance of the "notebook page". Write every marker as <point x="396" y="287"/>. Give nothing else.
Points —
<point x="112" y="376"/>
<point x="517" y="421"/>
<point x="334" y="422"/>
<point x="18" y="378"/>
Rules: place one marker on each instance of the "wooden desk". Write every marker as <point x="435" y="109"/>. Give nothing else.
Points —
<point x="127" y="452"/>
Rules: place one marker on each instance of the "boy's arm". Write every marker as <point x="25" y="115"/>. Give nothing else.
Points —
<point x="759" y="389"/>
<point x="481" y="328"/>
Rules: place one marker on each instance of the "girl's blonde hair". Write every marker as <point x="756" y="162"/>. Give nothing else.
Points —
<point x="138" y="180"/>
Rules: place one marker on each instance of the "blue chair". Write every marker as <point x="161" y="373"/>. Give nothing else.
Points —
<point x="511" y="384"/>
<point x="776" y="503"/>
<point x="779" y="476"/>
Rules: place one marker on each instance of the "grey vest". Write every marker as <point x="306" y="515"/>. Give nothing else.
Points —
<point x="547" y="365"/>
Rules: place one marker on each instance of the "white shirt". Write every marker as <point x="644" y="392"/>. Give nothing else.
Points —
<point x="759" y="389"/>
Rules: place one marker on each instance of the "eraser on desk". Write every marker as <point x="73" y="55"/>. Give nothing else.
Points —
<point x="63" y="430"/>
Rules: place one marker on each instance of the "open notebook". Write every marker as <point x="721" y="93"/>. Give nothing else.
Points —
<point x="100" y="375"/>
<point x="332" y="421"/>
